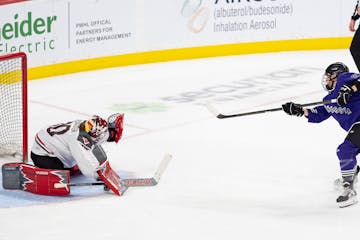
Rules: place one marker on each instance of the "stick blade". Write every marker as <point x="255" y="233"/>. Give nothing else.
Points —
<point x="162" y="166"/>
<point x="212" y="110"/>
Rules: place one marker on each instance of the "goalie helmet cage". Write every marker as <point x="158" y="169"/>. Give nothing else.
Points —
<point x="13" y="105"/>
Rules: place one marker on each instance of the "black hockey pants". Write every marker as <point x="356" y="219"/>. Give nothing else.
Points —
<point x="355" y="48"/>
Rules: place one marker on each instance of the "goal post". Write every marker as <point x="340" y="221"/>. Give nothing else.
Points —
<point x="13" y="105"/>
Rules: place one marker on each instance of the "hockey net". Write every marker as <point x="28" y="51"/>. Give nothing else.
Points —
<point x="13" y="105"/>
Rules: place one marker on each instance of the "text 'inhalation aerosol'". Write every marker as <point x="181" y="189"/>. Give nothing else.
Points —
<point x="237" y="19"/>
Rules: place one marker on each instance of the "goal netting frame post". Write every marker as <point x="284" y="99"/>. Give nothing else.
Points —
<point x="24" y="98"/>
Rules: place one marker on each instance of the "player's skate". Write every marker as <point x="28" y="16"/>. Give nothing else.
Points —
<point x="348" y="196"/>
<point x="339" y="183"/>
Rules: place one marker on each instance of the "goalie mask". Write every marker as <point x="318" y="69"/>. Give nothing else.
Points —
<point x="115" y="125"/>
<point x="96" y="127"/>
<point x="331" y="73"/>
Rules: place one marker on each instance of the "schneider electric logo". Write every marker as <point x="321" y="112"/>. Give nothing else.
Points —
<point x="23" y="29"/>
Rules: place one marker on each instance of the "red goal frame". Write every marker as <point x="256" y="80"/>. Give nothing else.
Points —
<point x="24" y="89"/>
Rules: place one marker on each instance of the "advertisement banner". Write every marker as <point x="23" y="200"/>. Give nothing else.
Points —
<point x="186" y="23"/>
<point x="59" y="31"/>
<point x="101" y="28"/>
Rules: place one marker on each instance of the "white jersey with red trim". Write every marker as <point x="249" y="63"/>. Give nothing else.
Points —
<point x="70" y="145"/>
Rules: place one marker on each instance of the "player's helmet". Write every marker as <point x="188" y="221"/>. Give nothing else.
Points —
<point x="115" y="126"/>
<point x="96" y="127"/>
<point x="331" y="73"/>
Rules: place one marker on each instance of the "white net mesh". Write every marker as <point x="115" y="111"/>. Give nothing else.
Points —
<point x="11" y="105"/>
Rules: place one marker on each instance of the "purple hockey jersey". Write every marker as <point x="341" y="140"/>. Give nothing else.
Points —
<point x="346" y="115"/>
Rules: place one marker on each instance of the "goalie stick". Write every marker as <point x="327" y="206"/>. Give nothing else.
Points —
<point x="219" y="115"/>
<point x="130" y="182"/>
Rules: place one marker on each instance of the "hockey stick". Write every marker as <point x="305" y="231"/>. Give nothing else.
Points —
<point x="130" y="182"/>
<point x="219" y="115"/>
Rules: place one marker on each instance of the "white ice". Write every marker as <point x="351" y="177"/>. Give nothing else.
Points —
<point x="266" y="176"/>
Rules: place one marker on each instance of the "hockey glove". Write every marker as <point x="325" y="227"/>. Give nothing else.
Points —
<point x="111" y="179"/>
<point x="344" y="95"/>
<point x="293" y="109"/>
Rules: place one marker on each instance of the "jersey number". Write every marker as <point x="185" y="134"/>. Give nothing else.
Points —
<point x="58" y="129"/>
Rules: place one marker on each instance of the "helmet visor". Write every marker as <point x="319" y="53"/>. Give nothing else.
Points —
<point x="328" y="82"/>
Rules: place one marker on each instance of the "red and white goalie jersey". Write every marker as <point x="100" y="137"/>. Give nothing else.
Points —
<point x="74" y="143"/>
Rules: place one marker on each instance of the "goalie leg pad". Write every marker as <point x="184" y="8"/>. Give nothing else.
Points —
<point x="35" y="180"/>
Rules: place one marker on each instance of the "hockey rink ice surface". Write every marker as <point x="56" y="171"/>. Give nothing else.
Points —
<point x="266" y="176"/>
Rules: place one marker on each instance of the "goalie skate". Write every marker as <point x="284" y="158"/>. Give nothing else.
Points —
<point x="347" y="197"/>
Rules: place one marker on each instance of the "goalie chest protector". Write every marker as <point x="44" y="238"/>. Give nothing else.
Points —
<point x="35" y="180"/>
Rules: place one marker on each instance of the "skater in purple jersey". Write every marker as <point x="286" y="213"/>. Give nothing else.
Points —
<point x="345" y="88"/>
